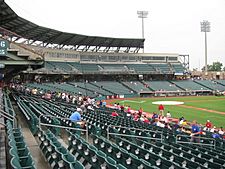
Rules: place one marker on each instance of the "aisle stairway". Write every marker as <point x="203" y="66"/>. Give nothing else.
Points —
<point x="40" y="162"/>
<point x="2" y="139"/>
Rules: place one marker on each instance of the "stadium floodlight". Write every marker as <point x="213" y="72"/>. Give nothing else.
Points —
<point x="142" y="15"/>
<point x="205" y="27"/>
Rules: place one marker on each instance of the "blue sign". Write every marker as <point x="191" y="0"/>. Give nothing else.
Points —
<point x="3" y="52"/>
<point x="4" y="44"/>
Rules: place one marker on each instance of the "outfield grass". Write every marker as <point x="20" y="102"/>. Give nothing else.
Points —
<point x="206" y="102"/>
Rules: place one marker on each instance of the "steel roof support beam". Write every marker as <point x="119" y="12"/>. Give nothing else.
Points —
<point x="68" y="39"/>
<point x="127" y="50"/>
<point x="8" y="19"/>
<point x="28" y="31"/>
<point x="87" y="48"/>
<point x="43" y="34"/>
<point x="79" y="42"/>
<point x="13" y="28"/>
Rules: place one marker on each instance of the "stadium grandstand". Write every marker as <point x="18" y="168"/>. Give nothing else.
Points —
<point x="48" y="75"/>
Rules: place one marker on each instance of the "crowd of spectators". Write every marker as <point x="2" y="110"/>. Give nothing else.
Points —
<point x="180" y="126"/>
<point x="157" y="119"/>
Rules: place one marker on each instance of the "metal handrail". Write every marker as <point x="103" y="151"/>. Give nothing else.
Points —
<point x="63" y="127"/>
<point x="9" y="117"/>
<point x="1" y="104"/>
<point x="133" y="128"/>
<point x="127" y="135"/>
<point x="2" y="124"/>
<point x="198" y="137"/>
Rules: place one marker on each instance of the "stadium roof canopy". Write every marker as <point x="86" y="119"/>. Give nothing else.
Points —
<point x="23" y="28"/>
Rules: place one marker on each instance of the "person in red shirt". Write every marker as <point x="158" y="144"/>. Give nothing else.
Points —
<point x="140" y="111"/>
<point x="161" y="110"/>
<point x="122" y="108"/>
<point x="114" y="114"/>
<point x="208" y="125"/>
<point x="129" y="111"/>
<point x="146" y="120"/>
<point x="136" y="117"/>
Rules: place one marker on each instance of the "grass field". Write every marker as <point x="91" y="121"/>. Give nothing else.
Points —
<point x="200" y="108"/>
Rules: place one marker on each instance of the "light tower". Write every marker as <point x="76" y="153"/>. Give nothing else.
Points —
<point x="142" y="15"/>
<point x="205" y="27"/>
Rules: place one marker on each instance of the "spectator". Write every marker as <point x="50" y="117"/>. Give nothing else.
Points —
<point x="181" y="121"/>
<point x="63" y="95"/>
<point x="100" y="103"/>
<point x="89" y="107"/>
<point x="79" y="110"/>
<point x="163" y="119"/>
<point x="215" y="135"/>
<point x="47" y="96"/>
<point x="73" y="99"/>
<point x="115" y="106"/>
<point x="161" y="109"/>
<point x="122" y="108"/>
<point x="212" y="130"/>
<point x="168" y="115"/>
<point x="182" y="118"/>
<point x="154" y="116"/>
<point x="176" y="125"/>
<point x="195" y="131"/>
<point x="118" y="106"/>
<point x="208" y="125"/>
<point x="104" y="104"/>
<point x="140" y="111"/>
<point x="221" y="132"/>
<point x="184" y="123"/>
<point x="167" y="125"/>
<point x="114" y="114"/>
<point x="128" y="111"/>
<point x="76" y="116"/>
<point x="136" y="117"/>
<point x="34" y="91"/>
<point x="146" y="120"/>
<point x="158" y="123"/>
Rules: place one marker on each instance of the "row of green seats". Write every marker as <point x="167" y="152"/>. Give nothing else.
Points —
<point x="93" y="158"/>
<point x="57" y="155"/>
<point x="120" y="155"/>
<point x="18" y="150"/>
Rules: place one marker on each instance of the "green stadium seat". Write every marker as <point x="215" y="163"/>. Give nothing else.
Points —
<point x="15" y="164"/>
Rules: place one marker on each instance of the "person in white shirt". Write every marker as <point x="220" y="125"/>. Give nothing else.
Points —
<point x="212" y="130"/>
<point x="168" y="115"/>
<point x="221" y="132"/>
<point x="63" y="95"/>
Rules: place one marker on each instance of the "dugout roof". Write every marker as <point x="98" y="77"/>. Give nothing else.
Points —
<point x="10" y="21"/>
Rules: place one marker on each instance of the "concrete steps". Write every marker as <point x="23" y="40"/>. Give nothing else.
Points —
<point x="31" y="142"/>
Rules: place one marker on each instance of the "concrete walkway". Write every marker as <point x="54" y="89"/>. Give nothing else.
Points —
<point x="2" y="138"/>
<point x="35" y="151"/>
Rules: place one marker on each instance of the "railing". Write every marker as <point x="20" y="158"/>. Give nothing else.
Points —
<point x="199" y="140"/>
<point x="63" y="127"/>
<point x="9" y="117"/>
<point x="135" y="136"/>
<point x="2" y="105"/>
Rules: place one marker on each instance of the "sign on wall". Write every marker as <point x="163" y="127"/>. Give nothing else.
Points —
<point x="3" y="47"/>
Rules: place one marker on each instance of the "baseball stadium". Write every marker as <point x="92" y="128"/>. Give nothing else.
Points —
<point x="73" y="101"/>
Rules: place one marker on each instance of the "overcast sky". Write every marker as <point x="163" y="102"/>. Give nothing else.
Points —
<point x="172" y="25"/>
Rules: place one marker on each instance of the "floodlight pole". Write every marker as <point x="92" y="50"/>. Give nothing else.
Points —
<point x="205" y="27"/>
<point x="142" y="15"/>
<point x="206" y="56"/>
